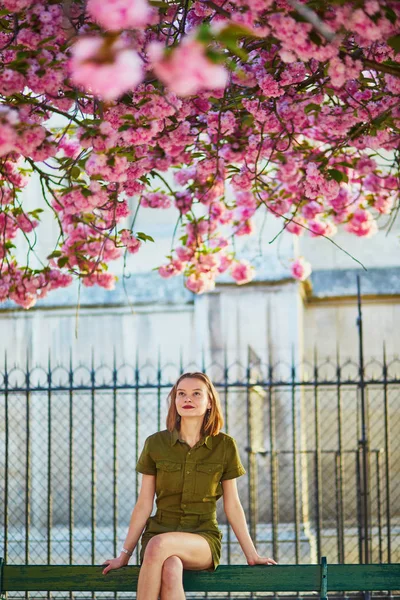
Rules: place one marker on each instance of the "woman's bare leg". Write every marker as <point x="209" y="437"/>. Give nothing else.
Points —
<point x="192" y="549"/>
<point x="171" y="579"/>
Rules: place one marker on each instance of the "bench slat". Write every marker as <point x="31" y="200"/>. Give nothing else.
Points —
<point x="235" y="578"/>
<point x="364" y="577"/>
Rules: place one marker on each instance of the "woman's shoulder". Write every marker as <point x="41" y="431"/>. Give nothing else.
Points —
<point x="159" y="437"/>
<point x="225" y="438"/>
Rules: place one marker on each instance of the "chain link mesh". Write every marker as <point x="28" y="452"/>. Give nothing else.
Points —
<point x="71" y="438"/>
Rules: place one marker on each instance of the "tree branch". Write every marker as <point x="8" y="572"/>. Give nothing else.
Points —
<point x="314" y="19"/>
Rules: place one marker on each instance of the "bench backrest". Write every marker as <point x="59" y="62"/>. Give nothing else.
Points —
<point x="227" y="578"/>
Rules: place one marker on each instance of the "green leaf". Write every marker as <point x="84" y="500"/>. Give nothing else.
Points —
<point x="215" y="57"/>
<point x="394" y="42"/>
<point x="204" y="33"/>
<point x="159" y="3"/>
<point x="314" y="37"/>
<point x="312" y="107"/>
<point x="337" y="175"/>
<point x="144" y="237"/>
<point x="35" y="213"/>
<point x="234" y="31"/>
<point x="75" y="172"/>
<point x="236" y="50"/>
<point x="62" y="261"/>
<point x="248" y="121"/>
<point x="54" y="254"/>
<point x="390" y="14"/>
<point x="345" y="164"/>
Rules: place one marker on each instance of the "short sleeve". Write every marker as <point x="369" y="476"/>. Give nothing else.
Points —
<point x="232" y="465"/>
<point x="146" y="464"/>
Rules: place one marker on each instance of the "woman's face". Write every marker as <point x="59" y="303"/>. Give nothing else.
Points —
<point x="192" y="398"/>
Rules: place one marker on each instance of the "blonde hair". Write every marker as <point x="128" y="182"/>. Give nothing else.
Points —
<point x="211" y="424"/>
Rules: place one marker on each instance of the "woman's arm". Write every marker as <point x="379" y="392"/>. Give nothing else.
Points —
<point x="140" y="514"/>
<point x="237" y="520"/>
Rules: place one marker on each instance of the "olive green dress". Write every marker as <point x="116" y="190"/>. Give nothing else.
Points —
<point x="188" y="484"/>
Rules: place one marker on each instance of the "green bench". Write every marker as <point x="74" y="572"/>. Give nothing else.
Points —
<point x="227" y="578"/>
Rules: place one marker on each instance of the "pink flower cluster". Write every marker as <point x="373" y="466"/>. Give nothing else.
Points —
<point x="250" y="108"/>
<point x="103" y="69"/>
<point x="202" y="268"/>
<point x="187" y="70"/>
<point x="120" y="14"/>
<point x="316" y="184"/>
<point x="300" y="269"/>
<point x="362" y="223"/>
<point x="24" y="287"/>
<point x="155" y="200"/>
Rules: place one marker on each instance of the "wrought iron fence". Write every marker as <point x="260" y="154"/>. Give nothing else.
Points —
<point x="70" y="438"/>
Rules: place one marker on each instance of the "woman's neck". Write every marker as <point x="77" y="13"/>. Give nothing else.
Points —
<point x="190" y="430"/>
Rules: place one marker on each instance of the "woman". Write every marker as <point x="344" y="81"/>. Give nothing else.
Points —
<point x="189" y="466"/>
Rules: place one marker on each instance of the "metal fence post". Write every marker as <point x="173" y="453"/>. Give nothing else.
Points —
<point x="363" y="443"/>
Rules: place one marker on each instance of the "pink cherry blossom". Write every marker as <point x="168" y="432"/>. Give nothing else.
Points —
<point x="295" y="226"/>
<point x="300" y="269"/>
<point x="172" y="268"/>
<point x="119" y="14"/>
<point x="105" y="280"/>
<point x="8" y="138"/>
<point x="183" y="201"/>
<point x="184" y="254"/>
<point x="187" y="70"/>
<point x="107" y="78"/>
<point x="362" y="224"/>
<point x="17" y="5"/>
<point x="242" y="272"/>
<point x="384" y="204"/>
<point x="317" y="227"/>
<point x="155" y="200"/>
<point x="200" y="283"/>
<point x="131" y="242"/>
<point x="311" y="210"/>
<point x="225" y="262"/>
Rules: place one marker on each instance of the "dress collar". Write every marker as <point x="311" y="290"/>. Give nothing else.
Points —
<point x="205" y="440"/>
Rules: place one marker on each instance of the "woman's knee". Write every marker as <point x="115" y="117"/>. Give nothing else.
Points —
<point x="156" y="548"/>
<point x="172" y="571"/>
<point x="153" y="548"/>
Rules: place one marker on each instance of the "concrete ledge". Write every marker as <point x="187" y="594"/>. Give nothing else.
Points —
<point x="151" y="289"/>
<point x="331" y="283"/>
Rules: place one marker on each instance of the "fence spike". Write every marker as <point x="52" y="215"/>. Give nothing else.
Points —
<point x="315" y="362"/>
<point x="338" y="368"/>
<point x="293" y="364"/>
<point x="180" y="360"/>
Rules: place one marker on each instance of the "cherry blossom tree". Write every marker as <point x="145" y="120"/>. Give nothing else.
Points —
<point x="254" y="105"/>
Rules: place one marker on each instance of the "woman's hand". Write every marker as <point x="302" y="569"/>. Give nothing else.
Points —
<point x="115" y="563"/>
<point x="260" y="560"/>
